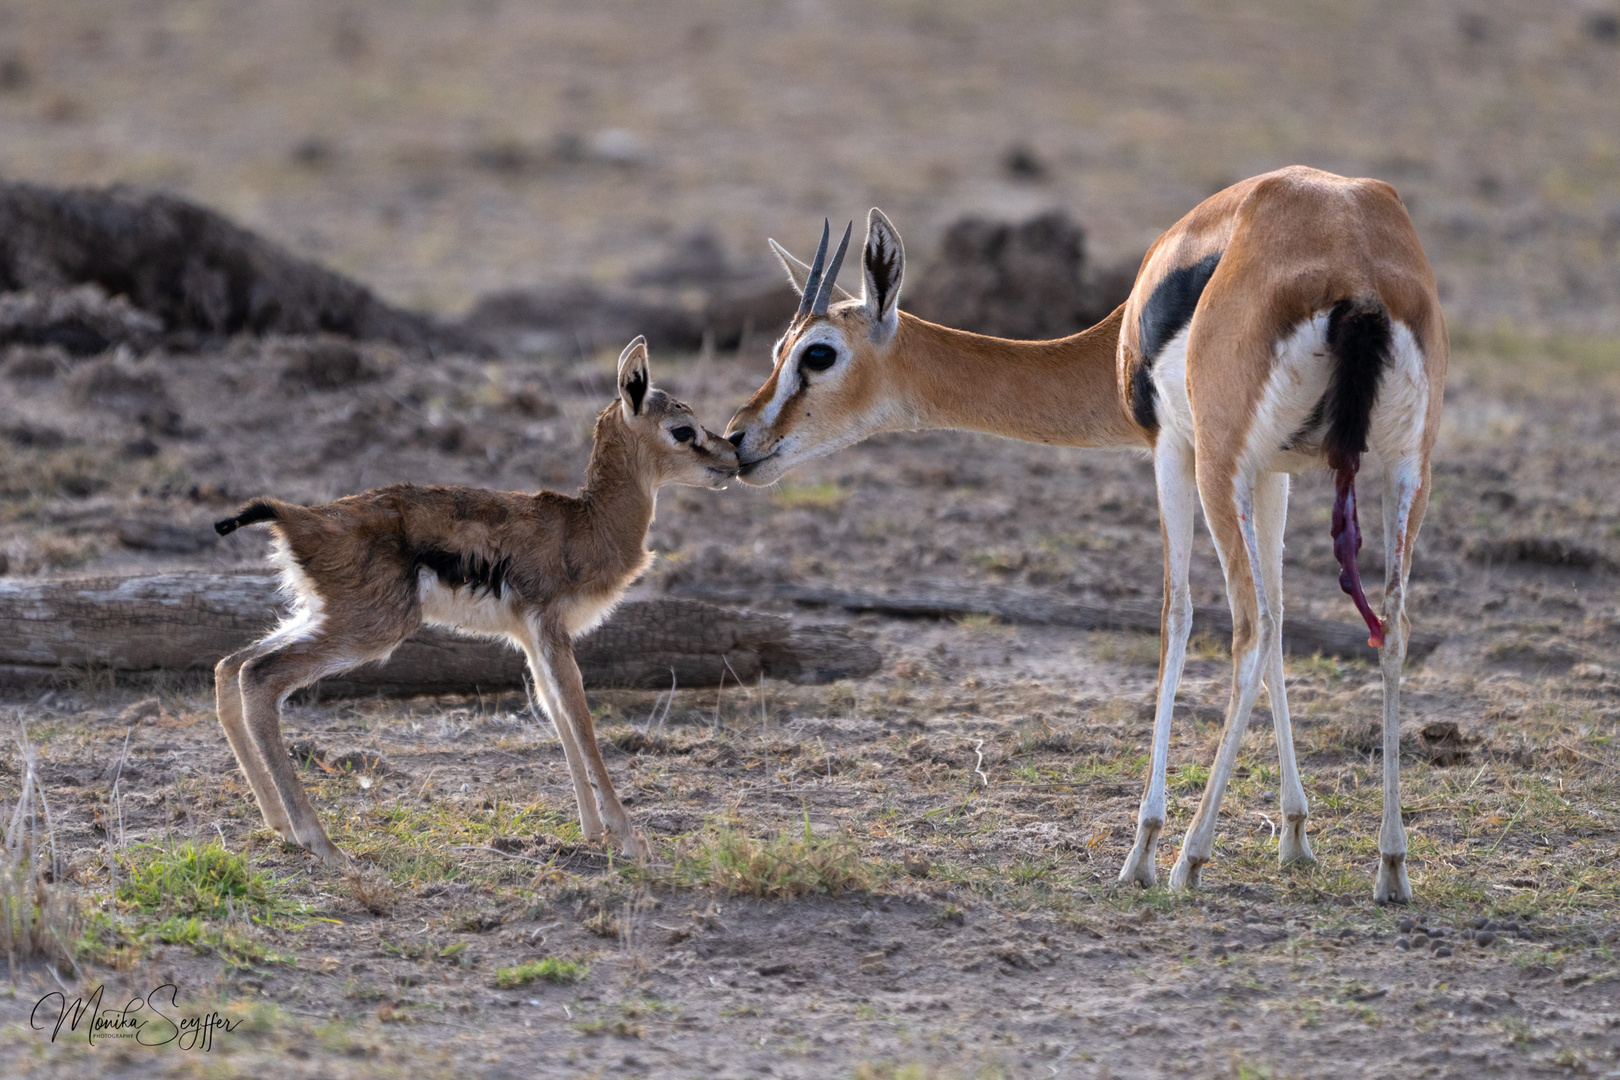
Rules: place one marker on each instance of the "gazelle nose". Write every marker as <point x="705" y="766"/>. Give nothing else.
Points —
<point x="736" y="438"/>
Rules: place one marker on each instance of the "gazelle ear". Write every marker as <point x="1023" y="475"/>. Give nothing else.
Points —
<point x="798" y="273"/>
<point x="883" y="264"/>
<point x="633" y="377"/>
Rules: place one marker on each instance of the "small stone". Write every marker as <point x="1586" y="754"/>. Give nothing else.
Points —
<point x="1490" y="925"/>
<point x="1480" y="922"/>
<point x="1442" y="950"/>
<point x="1404" y="924"/>
<point x="1484" y="938"/>
<point x="1403" y="944"/>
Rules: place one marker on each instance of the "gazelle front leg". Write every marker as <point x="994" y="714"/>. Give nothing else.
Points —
<point x="557" y="649"/>
<point x="545" y="687"/>
<point x="1178" y="491"/>
<point x="1405" y="496"/>
<point x="1231" y="522"/>
<point x="1270" y="519"/>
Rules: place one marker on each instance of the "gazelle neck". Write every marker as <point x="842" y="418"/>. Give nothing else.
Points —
<point x="620" y="493"/>
<point x="1065" y="392"/>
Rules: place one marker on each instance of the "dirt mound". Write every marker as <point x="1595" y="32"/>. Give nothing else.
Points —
<point x="185" y="268"/>
<point x="1028" y="280"/>
<point x="82" y="321"/>
<point x="692" y="293"/>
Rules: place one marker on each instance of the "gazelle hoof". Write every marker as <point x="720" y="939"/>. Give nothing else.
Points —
<point x="1392" y="886"/>
<point x="634" y="846"/>
<point x="1139" y="869"/>
<point x="1185" y="874"/>
<point x="330" y="854"/>
<point x="1292" y="847"/>
<point x="1139" y="864"/>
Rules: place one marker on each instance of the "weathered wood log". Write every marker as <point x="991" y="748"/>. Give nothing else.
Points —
<point x="186" y="622"/>
<point x="1301" y="636"/>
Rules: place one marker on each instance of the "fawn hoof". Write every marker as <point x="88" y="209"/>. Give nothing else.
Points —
<point x="1186" y="873"/>
<point x="1292" y="847"/>
<point x="1392" y="886"/>
<point x="330" y="854"/>
<point x="1140" y="863"/>
<point x="633" y="845"/>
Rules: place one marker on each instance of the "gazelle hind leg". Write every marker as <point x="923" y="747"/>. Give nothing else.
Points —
<point x="1406" y="486"/>
<point x="1178" y="490"/>
<point x="1270" y="521"/>
<point x="1253" y="629"/>
<point x="266" y="681"/>
<point x="545" y="686"/>
<point x="228" y="702"/>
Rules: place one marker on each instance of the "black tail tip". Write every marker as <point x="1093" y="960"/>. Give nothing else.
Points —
<point x="251" y="514"/>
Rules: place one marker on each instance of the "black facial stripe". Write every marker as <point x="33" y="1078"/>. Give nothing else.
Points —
<point x="1167" y="312"/>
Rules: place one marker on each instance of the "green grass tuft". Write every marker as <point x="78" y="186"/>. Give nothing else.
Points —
<point x="205" y="881"/>
<point x="788" y="865"/>
<point x="551" y="970"/>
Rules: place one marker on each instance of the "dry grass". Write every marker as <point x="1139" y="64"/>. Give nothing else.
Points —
<point x="781" y="867"/>
<point x="39" y="919"/>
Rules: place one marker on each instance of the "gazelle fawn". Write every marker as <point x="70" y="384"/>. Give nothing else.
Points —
<point x="1286" y="324"/>
<point x="539" y="570"/>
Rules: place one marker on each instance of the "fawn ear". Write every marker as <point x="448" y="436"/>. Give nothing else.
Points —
<point x="883" y="264"/>
<point x="798" y="273"/>
<point x="633" y="377"/>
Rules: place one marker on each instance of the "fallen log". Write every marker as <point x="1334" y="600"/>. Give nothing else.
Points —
<point x="1301" y="636"/>
<point x="186" y="622"/>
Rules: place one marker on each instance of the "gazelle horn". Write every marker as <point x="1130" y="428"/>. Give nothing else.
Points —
<point x="812" y="284"/>
<point x="824" y="294"/>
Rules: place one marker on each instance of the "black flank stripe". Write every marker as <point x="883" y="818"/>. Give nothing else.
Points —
<point x="458" y="570"/>
<point x="1167" y="312"/>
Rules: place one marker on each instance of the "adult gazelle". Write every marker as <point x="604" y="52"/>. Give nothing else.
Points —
<point x="1287" y="323"/>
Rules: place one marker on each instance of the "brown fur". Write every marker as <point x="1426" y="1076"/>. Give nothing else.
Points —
<point x="536" y="569"/>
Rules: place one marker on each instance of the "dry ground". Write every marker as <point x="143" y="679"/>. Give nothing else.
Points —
<point x="972" y="927"/>
<point x="441" y="151"/>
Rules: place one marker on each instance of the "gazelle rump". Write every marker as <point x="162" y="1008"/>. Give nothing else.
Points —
<point x="537" y="570"/>
<point x="1287" y="323"/>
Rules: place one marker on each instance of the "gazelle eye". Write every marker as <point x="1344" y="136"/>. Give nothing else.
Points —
<point x="682" y="434"/>
<point x="818" y="357"/>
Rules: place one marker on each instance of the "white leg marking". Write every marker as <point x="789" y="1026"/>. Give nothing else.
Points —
<point x="1270" y="519"/>
<point x="1401" y="482"/>
<point x="1178" y="495"/>
<point x="1199" y="846"/>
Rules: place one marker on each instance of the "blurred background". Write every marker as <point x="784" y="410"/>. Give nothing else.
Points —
<point x="441" y="151"/>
